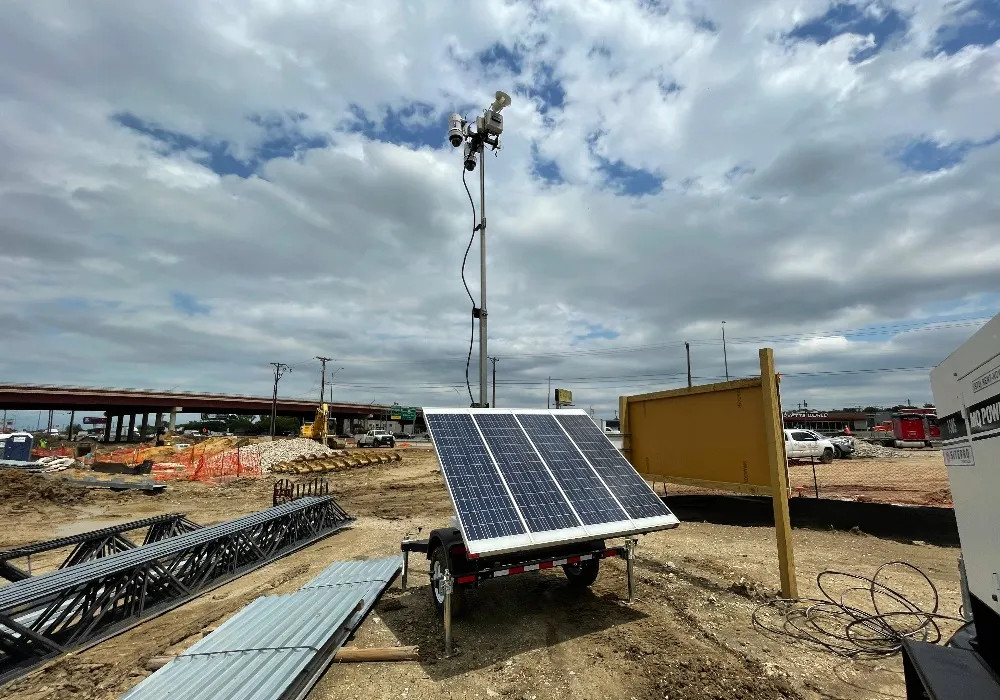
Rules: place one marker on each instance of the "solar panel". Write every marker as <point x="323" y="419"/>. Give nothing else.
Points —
<point x="483" y="504"/>
<point x="522" y="479"/>
<point x="629" y="488"/>
<point x="535" y="492"/>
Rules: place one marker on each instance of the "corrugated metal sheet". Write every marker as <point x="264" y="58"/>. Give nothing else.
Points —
<point x="52" y="582"/>
<point x="341" y="572"/>
<point x="277" y="642"/>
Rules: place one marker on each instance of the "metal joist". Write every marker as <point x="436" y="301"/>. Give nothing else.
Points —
<point x="72" y="607"/>
<point x="97" y="543"/>
<point x="277" y="647"/>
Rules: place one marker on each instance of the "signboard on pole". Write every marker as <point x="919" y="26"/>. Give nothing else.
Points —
<point x="403" y="413"/>
<point x="564" y="397"/>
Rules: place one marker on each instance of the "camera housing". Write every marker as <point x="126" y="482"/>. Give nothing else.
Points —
<point x="456" y="130"/>
<point x="470" y="157"/>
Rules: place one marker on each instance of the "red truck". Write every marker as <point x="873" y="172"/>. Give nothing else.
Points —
<point x="908" y="430"/>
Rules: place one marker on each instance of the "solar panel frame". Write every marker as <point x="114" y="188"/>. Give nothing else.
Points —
<point x="621" y="528"/>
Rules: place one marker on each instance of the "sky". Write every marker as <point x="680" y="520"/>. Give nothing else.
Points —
<point x="192" y="190"/>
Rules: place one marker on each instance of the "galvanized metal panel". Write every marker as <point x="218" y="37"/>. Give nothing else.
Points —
<point x="344" y="572"/>
<point x="275" y="642"/>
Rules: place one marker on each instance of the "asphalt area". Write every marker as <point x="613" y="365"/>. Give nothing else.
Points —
<point x="687" y="636"/>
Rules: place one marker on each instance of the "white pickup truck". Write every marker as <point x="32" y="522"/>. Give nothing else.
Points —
<point x="803" y="444"/>
<point x="377" y="438"/>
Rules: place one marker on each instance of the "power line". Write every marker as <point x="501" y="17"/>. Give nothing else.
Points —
<point x="865" y="332"/>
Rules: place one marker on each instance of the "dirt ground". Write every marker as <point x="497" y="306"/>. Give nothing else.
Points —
<point x="688" y="636"/>
<point x="920" y="479"/>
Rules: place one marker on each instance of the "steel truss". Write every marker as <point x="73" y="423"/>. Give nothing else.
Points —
<point x="43" y="616"/>
<point x="96" y="543"/>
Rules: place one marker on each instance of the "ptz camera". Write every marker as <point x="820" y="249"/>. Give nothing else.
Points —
<point x="456" y="130"/>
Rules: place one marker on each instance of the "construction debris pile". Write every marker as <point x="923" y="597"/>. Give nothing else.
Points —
<point x="871" y="450"/>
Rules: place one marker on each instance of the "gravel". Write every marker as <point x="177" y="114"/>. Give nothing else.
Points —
<point x="868" y="449"/>
<point x="278" y="451"/>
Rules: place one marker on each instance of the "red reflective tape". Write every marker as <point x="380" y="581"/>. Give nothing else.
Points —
<point x="545" y="565"/>
<point x="516" y="570"/>
<point x="610" y="553"/>
<point x="470" y="555"/>
<point x="466" y="579"/>
<point x="572" y="560"/>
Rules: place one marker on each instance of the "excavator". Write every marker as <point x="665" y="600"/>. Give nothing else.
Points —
<point x="319" y="429"/>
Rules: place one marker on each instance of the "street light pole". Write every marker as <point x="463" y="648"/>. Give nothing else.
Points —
<point x="494" y="360"/>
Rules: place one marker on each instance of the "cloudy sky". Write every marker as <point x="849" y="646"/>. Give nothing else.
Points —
<point x="191" y="190"/>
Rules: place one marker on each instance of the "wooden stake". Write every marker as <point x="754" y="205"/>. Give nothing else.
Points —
<point x="774" y="439"/>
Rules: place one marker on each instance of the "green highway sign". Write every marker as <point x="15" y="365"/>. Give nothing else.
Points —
<point x="403" y="412"/>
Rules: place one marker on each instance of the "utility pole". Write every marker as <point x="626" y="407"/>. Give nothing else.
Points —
<point x="322" y="381"/>
<point x="279" y="370"/>
<point x="687" y="351"/>
<point x="725" y="358"/>
<point x="494" y="360"/>
<point x="548" y="396"/>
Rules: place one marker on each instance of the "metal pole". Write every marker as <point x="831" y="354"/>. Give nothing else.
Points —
<point x="447" y="587"/>
<point x="322" y="381"/>
<point x="482" y="274"/>
<point x="69" y="432"/>
<point x="406" y="569"/>
<point x="548" y="397"/>
<point x="687" y="349"/>
<point x="629" y="557"/>
<point x="494" y="361"/>
<point x="725" y="358"/>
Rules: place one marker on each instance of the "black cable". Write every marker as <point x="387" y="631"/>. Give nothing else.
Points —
<point x="851" y="631"/>
<point x="472" y="331"/>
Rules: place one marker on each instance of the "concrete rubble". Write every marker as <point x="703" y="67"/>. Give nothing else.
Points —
<point x="871" y="450"/>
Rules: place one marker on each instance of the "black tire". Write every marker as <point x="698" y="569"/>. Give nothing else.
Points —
<point x="584" y="573"/>
<point x="837" y="453"/>
<point x="392" y="443"/>
<point x="439" y="562"/>
<point x="827" y="456"/>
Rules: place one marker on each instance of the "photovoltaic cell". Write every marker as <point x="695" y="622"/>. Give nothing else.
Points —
<point x="483" y="504"/>
<point x="535" y="493"/>
<point x="628" y="487"/>
<point x="585" y="491"/>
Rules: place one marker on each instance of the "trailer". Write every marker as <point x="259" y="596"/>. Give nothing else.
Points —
<point x="533" y="489"/>
<point x="453" y="569"/>
<point x="967" y="393"/>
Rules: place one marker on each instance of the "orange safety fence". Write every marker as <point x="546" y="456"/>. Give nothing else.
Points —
<point x="52" y="452"/>
<point x="193" y="464"/>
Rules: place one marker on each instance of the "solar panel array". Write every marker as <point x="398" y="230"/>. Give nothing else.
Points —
<point x="522" y="479"/>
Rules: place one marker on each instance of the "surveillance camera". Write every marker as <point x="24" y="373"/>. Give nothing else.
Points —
<point x="470" y="158"/>
<point x="456" y="130"/>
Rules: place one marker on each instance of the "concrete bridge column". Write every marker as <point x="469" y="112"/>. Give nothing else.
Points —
<point x="107" y="426"/>
<point x="144" y="426"/>
<point x="118" y="427"/>
<point x="131" y="428"/>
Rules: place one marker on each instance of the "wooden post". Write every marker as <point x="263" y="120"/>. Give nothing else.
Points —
<point x="779" y="473"/>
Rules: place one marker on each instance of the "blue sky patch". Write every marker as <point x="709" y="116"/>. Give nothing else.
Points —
<point x="975" y="23"/>
<point x="283" y="140"/>
<point x="882" y="23"/>
<point x="927" y="156"/>
<point x="629" y="180"/>
<point x="414" y="125"/>
<point x="187" y="304"/>
<point x="595" y="331"/>
<point x="546" y="87"/>
<point x="545" y="169"/>
<point x="500" y="56"/>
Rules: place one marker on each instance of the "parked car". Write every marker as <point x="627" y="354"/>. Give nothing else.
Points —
<point x="843" y="446"/>
<point x="804" y="444"/>
<point x="377" y="438"/>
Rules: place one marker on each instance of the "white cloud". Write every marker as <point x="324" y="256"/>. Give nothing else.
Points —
<point x="782" y="212"/>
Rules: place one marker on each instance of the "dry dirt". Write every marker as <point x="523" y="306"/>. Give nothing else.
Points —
<point x="687" y="636"/>
<point x="921" y="478"/>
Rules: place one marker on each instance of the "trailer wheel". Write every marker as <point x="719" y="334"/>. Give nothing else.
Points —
<point x="827" y="456"/>
<point x="439" y="562"/>
<point x="583" y="573"/>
